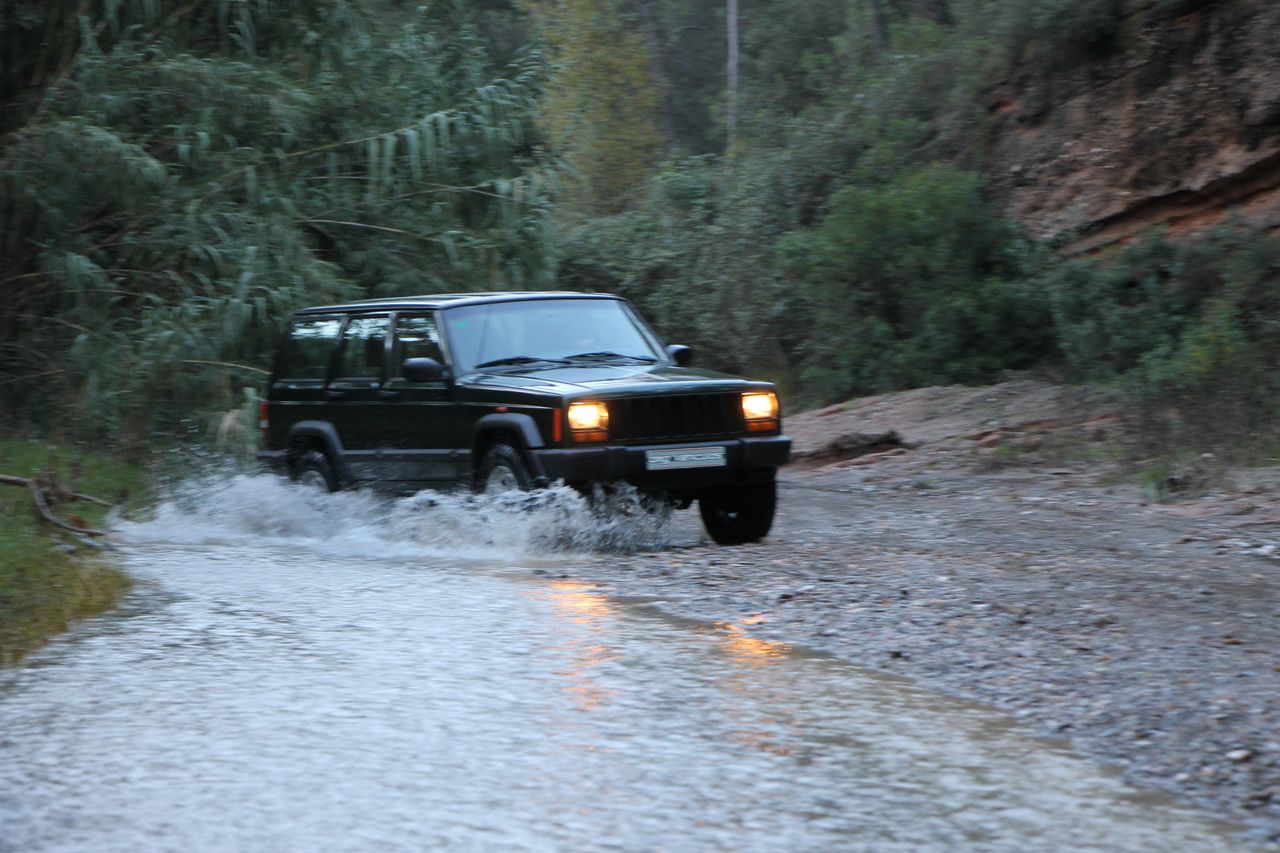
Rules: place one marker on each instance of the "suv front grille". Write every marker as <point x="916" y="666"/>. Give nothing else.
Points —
<point x="678" y="418"/>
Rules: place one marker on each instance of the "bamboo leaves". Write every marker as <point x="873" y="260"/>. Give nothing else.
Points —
<point x="187" y="188"/>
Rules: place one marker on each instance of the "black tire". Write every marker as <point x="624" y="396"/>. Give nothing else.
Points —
<point x="745" y="515"/>
<point x="503" y="470"/>
<point x="314" y="469"/>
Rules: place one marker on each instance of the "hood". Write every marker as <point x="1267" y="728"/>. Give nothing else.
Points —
<point x="608" y="378"/>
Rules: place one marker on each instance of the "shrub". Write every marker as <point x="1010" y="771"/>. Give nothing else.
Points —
<point x="1063" y="33"/>
<point x="1191" y="328"/>
<point x="915" y="281"/>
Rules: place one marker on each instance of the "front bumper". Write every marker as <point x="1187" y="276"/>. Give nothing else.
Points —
<point x="747" y="460"/>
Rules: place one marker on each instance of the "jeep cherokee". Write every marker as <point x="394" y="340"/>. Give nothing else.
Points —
<point x="502" y="391"/>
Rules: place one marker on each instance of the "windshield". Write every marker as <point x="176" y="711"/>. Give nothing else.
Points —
<point x="553" y="330"/>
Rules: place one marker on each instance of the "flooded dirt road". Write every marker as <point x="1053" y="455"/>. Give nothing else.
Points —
<point x="303" y="672"/>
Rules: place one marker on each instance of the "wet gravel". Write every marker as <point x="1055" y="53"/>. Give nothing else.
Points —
<point x="1146" y="638"/>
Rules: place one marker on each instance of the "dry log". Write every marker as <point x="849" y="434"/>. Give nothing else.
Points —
<point x="41" y="499"/>
<point x="23" y="482"/>
<point x="42" y="506"/>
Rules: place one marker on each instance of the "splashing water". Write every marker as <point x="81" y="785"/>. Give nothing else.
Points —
<point x="232" y="508"/>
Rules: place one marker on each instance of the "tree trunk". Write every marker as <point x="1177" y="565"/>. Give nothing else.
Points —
<point x="940" y="11"/>
<point x="658" y="63"/>
<point x="879" y="27"/>
<point x="731" y="26"/>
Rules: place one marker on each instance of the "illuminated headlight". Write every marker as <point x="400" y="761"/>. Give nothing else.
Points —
<point x="588" y="421"/>
<point x="760" y="408"/>
<point x="760" y="405"/>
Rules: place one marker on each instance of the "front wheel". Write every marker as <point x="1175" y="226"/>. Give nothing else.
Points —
<point x="504" y="470"/>
<point x="744" y="515"/>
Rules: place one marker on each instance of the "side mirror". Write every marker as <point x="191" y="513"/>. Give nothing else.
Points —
<point x="423" y="370"/>
<point x="680" y="354"/>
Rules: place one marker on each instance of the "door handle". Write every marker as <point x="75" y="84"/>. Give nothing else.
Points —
<point x="388" y="395"/>
<point x="334" y="394"/>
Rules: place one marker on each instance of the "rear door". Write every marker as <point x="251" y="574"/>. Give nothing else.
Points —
<point x="298" y="393"/>
<point x="418" y="447"/>
<point x="354" y="395"/>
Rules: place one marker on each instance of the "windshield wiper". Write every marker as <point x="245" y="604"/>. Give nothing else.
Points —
<point x="521" y="359"/>
<point x="607" y="355"/>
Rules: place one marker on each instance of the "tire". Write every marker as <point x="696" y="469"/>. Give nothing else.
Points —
<point x="503" y="470"/>
<point x="738" y="517"/>
<point x="313" y="469"/>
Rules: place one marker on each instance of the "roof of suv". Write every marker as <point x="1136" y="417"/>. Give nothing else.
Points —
<point x="441" y="300"/>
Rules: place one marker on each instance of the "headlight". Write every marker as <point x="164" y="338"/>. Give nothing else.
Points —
<point x="760" y="408"/>
<point x="588" y="421"/>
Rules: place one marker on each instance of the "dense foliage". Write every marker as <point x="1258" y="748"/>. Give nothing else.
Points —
<point x="175" y="177"/>
<point x="1192" y="328"/>
<point x="196" y="171"/>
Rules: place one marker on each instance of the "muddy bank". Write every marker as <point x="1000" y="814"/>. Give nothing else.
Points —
<point x="1146" y="634"/>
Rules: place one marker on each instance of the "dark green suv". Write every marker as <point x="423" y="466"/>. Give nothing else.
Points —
<point x="501" y="391"/>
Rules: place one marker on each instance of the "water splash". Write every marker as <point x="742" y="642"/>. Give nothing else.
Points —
<point x="236" y="508"/>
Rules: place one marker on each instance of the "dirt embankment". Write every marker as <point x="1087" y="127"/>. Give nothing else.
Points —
<point x="1177" y="125"/>
<point x="977" y="541"/>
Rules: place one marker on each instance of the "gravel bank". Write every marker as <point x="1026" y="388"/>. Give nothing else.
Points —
<point x="1149" y="636"/>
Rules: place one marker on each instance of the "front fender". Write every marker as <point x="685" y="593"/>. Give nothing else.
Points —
<point x="522" y="425"/>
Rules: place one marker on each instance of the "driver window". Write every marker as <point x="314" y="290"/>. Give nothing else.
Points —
<point x="416" y="337"/>
<point x="363" y="348"/>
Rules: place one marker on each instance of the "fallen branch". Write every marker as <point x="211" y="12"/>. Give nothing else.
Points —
<point x="42" y="506"/>
<point x="23" y="482"/>
<point x="40" y="496"/>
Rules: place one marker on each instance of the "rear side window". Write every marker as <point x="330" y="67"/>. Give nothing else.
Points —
<point x="311" y="341"/>
<point x="417" y="336"/>
<point x="364" y="348"/>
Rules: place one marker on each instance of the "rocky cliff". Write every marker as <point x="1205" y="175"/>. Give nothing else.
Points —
<point x="1177" y="125"/>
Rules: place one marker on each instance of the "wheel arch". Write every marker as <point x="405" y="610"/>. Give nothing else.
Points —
<point x="518" y="430"/>
<point x="322" y="436"/>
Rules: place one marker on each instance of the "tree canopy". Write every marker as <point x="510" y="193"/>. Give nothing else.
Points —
<point x="190" y="173"/>
<point x="176" y="177"/>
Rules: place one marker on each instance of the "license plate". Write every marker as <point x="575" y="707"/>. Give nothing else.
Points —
<point x="684" y="457"/>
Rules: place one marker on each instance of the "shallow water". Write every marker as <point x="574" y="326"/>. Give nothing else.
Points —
<point x="302" y="672"/>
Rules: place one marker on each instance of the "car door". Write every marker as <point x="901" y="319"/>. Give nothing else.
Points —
<point x="354" y="395"/>
<point x="418" y="446"/>
<point x="298" y="391"/>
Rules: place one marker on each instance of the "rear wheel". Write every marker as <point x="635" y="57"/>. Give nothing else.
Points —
<point x="744" y="515"/>
<point x="504" y="470"/>
<point x="314" y="470"/>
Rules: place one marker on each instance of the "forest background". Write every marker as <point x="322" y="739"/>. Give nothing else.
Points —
<point x="796" y="189"/>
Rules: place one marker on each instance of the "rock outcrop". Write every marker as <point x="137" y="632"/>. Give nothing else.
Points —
<point x="1177" y="127"/>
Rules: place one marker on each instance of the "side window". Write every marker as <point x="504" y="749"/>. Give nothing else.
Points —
<point x="311" y="341"/>
<point x="364" y="346"/>
<point x="417" y="336"/>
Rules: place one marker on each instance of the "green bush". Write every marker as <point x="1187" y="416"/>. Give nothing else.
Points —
<point x="1062" y="33"/>
<point x="1191" y="328"/>
<point x="915" y="281"/>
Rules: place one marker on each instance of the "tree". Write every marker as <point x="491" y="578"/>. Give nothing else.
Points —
<point x="602" y="106"/>
<point x="731" y="28"/>
<point x="192" y="178"/>
<point x="879" y="26"/>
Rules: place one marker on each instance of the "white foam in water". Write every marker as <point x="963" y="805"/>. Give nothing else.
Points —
<point x="233" y="508"/>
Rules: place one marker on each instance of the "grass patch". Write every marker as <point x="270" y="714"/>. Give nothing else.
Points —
<point x="43" y="586"/>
